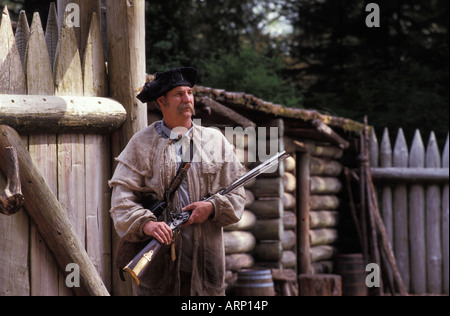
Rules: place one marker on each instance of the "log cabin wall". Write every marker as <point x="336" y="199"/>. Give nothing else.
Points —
<point x="318" y="238"/>
<point x="272" y="232"/>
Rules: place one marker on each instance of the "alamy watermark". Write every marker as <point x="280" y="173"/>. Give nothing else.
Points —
<point x="250" y="144"/>
<point x="373" y="278"/>
<point x="73" y="278"/>
<point x="72" y="17"/>
<point x="373" y="18"/>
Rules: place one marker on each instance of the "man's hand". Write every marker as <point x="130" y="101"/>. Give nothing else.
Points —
<point x="200" y="212"/>
<point x="159" y="230"/>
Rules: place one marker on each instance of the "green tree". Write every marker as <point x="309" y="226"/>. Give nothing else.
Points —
<point x="253" y="73"/>
<point x="185" y="32"/>
<point x="224" y="39"/>
<point x="396" y="74"/>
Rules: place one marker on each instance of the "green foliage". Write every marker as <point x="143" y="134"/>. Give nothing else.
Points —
<point x="253" y="73"/>
<point x="186" y="32"/>
<point x="407" y="96"/>
<point x="397" y="74"/>
<point x="210" y="35"/>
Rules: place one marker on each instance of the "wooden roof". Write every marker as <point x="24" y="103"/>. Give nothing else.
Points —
<point x="247" y="105"/>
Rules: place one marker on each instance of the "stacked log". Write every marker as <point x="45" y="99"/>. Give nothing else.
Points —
<point x="324" y="202"/>
<point x="239" y="243"/>
<point x="238" y="238"/>
<point x="289" y="238"/>
<point x="260" y="238"/>
<point x="270" y="190"/>
<point x="267" y="235"/>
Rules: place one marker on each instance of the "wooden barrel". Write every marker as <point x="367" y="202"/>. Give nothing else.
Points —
<point x="255" y="282"/>
<point x="351" y="269"/>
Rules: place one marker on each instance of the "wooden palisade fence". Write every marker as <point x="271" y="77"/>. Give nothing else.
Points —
<point x="413" y="198"/>
<point x="54" y="96"/>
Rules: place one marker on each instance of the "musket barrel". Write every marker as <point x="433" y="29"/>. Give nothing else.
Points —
<point x="273" y="161"/>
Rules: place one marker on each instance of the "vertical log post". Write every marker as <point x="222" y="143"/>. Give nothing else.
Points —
<point x="444" y="223"/>
<point x="433" y="221"/>
<point x="374" y="250"/>
<point x="303" y="207"/>
<point x="126" y="71"/>
<point x="126" y="62"/>
<point x="400" y="201"/>
<point x="12" y="76"/>
<point x="362" y="198"/>
<point x="416" y="220"/>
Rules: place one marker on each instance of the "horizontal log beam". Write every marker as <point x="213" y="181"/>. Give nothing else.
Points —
<point x="268" y="187"/>
<point x="325" y="167"/>
<point x="288" y="259"/>
<point x="324" y="202"/>
<point x="238" y="242"/>
<point x="322" y="236"/>
<point x="238" y="261"/>
<point x="225" y="111"/>
<point x="269" y="250"/>
<point x="268" y="229"/>
<point x="267" y="208"/>
<point x="323" y="219"/>
<point x="61" y="114"/>
<point x="322" y="252"/>
<point x="330" y="134"/>
<point x="289" y="220"/>
<point x="289" y="239"/>
<point x="325" y="185"/>
<point x="410" y="174"/>
<point x="247" y="222"/>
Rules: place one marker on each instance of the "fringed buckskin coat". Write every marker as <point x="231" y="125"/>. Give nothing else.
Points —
<point x="147" y="166"/>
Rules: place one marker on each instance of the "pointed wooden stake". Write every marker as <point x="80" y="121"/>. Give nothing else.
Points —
<point x="12" y="77"/>
<point x="38" y="67"/>
<point x="22" y="36"/>
<point x="52" y="33"/>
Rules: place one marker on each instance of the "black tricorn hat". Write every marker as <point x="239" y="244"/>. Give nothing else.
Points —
<point x="166" y="81"/>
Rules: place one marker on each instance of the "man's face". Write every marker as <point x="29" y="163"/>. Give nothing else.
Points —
<point x="177" y="106"/>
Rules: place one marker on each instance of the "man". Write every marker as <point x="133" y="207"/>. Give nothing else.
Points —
<point x="192" y="262"/>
